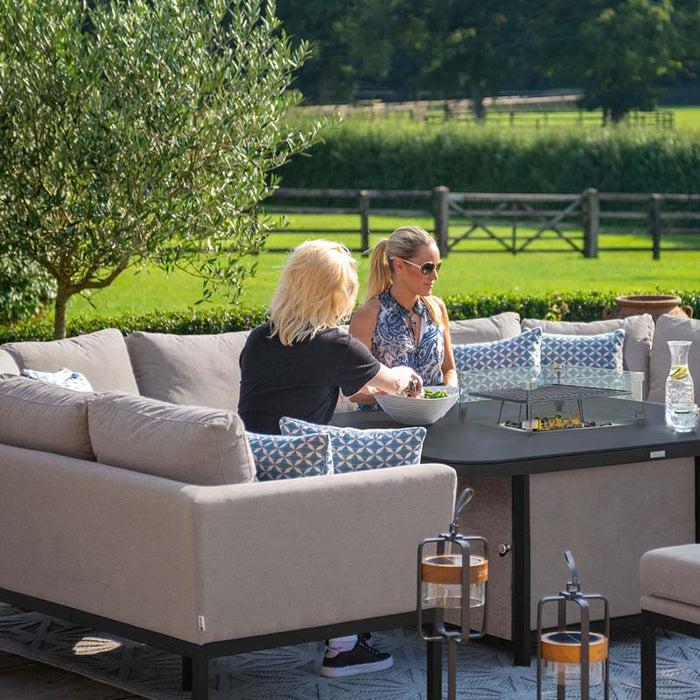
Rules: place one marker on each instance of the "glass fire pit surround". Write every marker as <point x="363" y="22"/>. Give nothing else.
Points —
<point x="556" y="397"/>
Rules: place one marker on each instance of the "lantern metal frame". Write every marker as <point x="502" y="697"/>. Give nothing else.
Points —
<point x="453" y="636"/>
<point x="574" y="595"/>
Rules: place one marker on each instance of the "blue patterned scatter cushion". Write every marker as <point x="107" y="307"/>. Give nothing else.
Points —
<point x="66" y="378"/>
<point x="519" y="351"/>
<point x="603" y="350"/>
<point x="355" y="450"/>
<point x="289" y="457"/>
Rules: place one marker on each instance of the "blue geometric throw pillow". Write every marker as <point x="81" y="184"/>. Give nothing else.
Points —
<point x="603" y="350"/>
<point x="285" y="457"/>
<point x="519" y="351"/>
<point x="66" y="378"/>
<point x="355" y="450"/>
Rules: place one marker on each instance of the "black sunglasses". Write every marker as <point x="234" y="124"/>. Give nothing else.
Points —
<point x="426" y="268"/>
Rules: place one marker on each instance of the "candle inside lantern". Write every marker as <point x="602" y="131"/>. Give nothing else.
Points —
<point x="442" y="581"/>
<point x="561" y="654"/>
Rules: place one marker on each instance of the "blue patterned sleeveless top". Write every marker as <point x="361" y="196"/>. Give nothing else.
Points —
<point x="392" y="343"/>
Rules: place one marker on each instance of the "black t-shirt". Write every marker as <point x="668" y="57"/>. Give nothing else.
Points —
<point x="300" y="380"/>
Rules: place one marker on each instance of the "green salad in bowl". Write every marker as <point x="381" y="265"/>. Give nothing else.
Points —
<point x="432" y="405"/>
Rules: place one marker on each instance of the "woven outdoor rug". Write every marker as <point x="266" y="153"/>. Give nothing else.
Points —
<point x="484" y="673"/>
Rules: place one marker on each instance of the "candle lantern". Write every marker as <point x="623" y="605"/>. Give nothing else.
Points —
<point x="567" y="657"/>
<point x="445" y="583"/>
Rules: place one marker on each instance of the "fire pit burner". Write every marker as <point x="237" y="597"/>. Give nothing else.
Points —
<point x="544" y="424"/>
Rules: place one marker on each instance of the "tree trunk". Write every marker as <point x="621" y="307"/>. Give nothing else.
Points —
<point x="617" y="114"/>
<point x="477" y="102"/>
<point x="59" y="323"/>
<point x="322" y="86"/>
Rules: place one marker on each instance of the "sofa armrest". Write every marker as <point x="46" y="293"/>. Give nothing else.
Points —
<point x="251" y="558"/>
<point x="301" y="553"/>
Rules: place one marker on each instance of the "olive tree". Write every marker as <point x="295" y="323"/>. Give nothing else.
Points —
<point x="142" y="133"/>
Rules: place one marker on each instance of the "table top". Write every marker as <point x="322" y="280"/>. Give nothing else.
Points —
<point x="475" y="445"/>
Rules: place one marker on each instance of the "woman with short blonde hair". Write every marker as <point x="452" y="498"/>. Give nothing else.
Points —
<point x="401" y="322"/>
<point x="296" y="365"/>
<point x="317" y="289"/>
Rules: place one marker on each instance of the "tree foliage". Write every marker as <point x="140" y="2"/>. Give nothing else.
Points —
<point x="623" y="53"/>
<point x="630" y="49"/>
<point x="138" y="133"/>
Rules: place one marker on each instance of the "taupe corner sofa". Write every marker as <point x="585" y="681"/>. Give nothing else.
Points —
<point x="134" y="511"/>
<point x="160" y="534"/>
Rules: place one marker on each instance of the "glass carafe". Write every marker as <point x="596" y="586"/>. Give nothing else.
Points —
<point x="679" y="383"/>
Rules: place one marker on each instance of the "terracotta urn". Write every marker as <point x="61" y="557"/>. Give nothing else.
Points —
<point x="654" y="304"/>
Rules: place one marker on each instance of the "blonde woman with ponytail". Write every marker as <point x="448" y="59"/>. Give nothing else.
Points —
<point x="401" y="322"/>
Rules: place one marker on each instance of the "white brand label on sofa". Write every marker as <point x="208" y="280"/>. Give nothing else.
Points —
<point x="201" y="623"/>
<point x="657" y="454"/>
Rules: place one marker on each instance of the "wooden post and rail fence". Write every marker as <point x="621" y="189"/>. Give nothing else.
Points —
<point x="465" y="222"/>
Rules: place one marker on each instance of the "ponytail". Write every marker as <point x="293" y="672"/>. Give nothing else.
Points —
<point x="380" y="272"/>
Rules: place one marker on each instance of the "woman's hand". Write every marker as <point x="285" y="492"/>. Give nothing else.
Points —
<point x="394" y="380"/>
<point x="413" y="383"/>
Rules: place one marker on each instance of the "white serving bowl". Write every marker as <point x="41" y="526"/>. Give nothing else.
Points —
<point x="418" y="411"/>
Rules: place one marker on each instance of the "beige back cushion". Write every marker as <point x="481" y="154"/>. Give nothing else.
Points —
<point x="673" y="328"/>
<point x="197" y="370"/>
<point x="40" y="416"/>
<point x="7" y="364"/>
<point x="195" y="445"/>
<point x="484" y="330"/>
<point x="639" y="334"/>
<point x="101" y="357"/>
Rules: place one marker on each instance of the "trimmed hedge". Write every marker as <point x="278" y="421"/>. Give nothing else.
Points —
<point x="384" y="155"/>
<point x="213" y="320"/>
<point x="570" y="306"/>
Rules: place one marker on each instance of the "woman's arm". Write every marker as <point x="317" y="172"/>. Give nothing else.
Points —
<point x="362" y="325"/>
<point x="449" y="369"/>
<point x="364" y="321"/>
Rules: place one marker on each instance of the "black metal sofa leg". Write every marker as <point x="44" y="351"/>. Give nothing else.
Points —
<point x="186" y="673"/>
<point x="648" y="660"/>
<point x="200" y="677"/>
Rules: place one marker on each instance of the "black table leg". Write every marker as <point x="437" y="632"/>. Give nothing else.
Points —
<point x="521" y="569"/>
<point x="697" y="499"/>
<point x="648" y="660"/>
<point x="434" y="671"/>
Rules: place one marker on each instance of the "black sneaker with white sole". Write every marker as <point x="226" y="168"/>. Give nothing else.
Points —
<point x="362" y="658"/>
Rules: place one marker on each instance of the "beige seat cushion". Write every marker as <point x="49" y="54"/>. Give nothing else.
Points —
<point x="40" y="416"/>
<point x="7" y="364"/>
<point x="195" y="445"/>
<point x="672" y="573"/>
<point x="101" y="357"/>
<point x="672" y="328"/>
<point x="639" y="334"/>
<point x="484" y="330"/>
<point x="196" y="370"/>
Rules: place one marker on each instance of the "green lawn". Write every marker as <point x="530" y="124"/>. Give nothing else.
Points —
<point x="628" y="271"/>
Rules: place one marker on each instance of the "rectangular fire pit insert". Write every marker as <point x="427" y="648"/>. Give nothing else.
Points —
<point x="559" y="394"/>
<point x="555" y="397"/>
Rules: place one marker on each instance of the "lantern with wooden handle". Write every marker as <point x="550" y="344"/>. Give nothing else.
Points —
<point x="445" y="583"/>
<point x="572" y="657"/>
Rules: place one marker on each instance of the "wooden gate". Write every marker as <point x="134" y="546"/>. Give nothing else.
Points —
<point x="515" y="221"/>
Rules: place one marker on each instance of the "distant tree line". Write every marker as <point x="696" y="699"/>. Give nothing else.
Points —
<point x="622" y="53"/>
